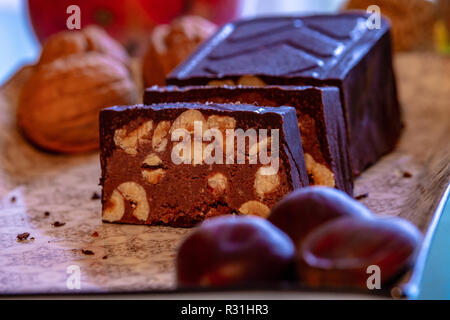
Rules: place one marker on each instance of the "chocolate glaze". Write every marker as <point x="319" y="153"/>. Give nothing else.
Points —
<point x="322" y="50"/>
<point x="319" y="114"/>
<point x="182" y="197"/>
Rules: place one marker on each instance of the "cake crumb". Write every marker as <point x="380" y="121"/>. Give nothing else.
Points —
<point x="362" y="196"/>
<point x="407" y="174"/>
<point x="58" y="224"/>
<point x="95" y="196"/>
<point x="23" y="236"/>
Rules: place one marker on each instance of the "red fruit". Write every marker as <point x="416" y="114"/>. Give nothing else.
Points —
<point x="128" y="21"/>
<point x="339" y="253"/>
<point x="234" y="250"/>
<point x="305" y="209"/>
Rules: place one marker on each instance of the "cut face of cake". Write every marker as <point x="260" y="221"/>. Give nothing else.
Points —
<point x="179" y="163"/>
<point x="319" y="115"/>
<point x="324" y="50"/>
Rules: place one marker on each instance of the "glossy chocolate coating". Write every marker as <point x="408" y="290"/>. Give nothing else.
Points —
<point x="324" y="50"/>
<point x="182" y="196"/>
<point x="319" y="115"/>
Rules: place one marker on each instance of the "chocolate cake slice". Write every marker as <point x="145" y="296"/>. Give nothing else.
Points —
<point x="324" y="50"/>
<point x="319" y="115"/>
<point x="178" y="163"/>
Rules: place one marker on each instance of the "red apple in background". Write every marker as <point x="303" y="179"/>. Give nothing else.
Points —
<point x="129" y="21"/>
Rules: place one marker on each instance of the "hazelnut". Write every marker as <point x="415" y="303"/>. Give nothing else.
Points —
<point x="59" y="104"/>
<point x="218" y="183"/>
<point x="114" y="209"/>
<point x="265" y="183"/>
<point x="221" y="122"/>
<point x="135" y="193"/>
<point x="221" y="83"/>
<point x="130" y="141"/>
<point x="186" y="121"/>
<point x="152" y="171"/>
<point x="255" y="208"/>
<point x="159" y="140"/>
<point x="152" y="160"/>
<point x="251" y="81"/>
<point x="171" y="44"/>
<point x="320" y="174"/>
<point x="153" y="176"/>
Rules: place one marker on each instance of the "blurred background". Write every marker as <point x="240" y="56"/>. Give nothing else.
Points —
<point x="25" y="23"/>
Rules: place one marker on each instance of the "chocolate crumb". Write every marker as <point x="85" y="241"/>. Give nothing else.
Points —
<point x="23" y="236"/>
<point x="58" y="224"/>
<point x="32" y="239"/>
<point x="95" y="234"/>
<point x="407" y="174"/>
<point x="361" y="196"/>
<point x="87" y="252"/>
<point x="95" y="196"/>
<point x="13" y="199"/>
<point x="105" y="257"/>
<point x="46" y="213"/>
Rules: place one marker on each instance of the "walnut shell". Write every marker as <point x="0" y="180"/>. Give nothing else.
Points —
<point x="171" y="44"/>
<point x="91" y="38"/>
<point x="59" y="104"/>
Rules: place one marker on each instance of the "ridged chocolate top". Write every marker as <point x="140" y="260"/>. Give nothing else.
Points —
<point x="318" y="47"/>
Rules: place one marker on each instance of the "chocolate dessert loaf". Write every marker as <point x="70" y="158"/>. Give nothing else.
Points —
<point x="179" y="163"/>
<point x="319" y="115"/>
<point x="324" y="50"/>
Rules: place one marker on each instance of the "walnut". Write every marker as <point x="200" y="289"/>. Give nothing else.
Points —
<point x="159" y="140"/>
<point x="91" y="38"/>
<point x="59" y="104"/>
<point x="171" y="44"/>
<point x="255" y="208"/>
<point x="217" y="183"/>
<point x="320" y="174"/>
<point x="130" y="141"/>
<point x="265" y="183"/>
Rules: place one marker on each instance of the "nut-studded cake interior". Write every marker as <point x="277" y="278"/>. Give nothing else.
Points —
<point x="319" y="114"/>
<point x="149" y="179"/>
